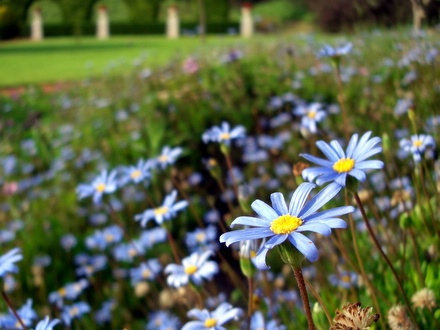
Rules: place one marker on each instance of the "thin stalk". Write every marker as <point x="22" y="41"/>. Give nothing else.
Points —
<point x="14" y="311"/>
<point x="377" y="244"/>
<point x="250" y="300"/>
<point x="321" y="302"/>
<point x="173" y="246"/>
<point x="304" y="297"/>
<point x="422" y="182"/>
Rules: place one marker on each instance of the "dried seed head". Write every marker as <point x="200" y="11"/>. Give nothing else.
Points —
<point x="424" y="298"/>
<point x="398" y="319"/>
<point x="354" y="317"/>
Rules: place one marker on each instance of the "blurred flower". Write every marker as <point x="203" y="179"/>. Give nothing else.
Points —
<point x="212" y="320"/>
<point x="146" y="271"/>
<point x="281" y="223"/>
<point x="163" y="320"/>
<point x="168" y="156"/>
<point x="46" y="324"/>
<point x="329" y="51"/>
<point x="7" y="262"/>
<point x="202" y="239"/>
<point x="310" y="115"/>
<point x="398" y="319"/>
<point x="223" y="134"/>
<point x="417" y="145"/>
<point x="340" y="164"/>
<point x="104" y="314"/>
<point x="344" y="279"/>
<point x="258" y="323"/>
<point x="190" y="65"/>
<point x="166" y="212"/>
<point x="353" y="316"/>
<point x="137" y="173"/>
<point x="105" y="183"/>
<point x="26" y="314"/>
<point x="194" y="268"/>
<point x="74" y="311"/>
<point x="70" y="291"/>
<point x="424" y="298"/>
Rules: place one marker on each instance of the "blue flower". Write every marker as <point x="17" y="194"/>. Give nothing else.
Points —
<point x="7" y="262"/>
<point x="258" y="323"/>
<point x="194" y="268"/>
<point x="146" y="271"/>
<point x="329" y="51"/>
<point x="137" y="173"/>
<point x="104" y="314"/>
<point x="340" y="164"/>
<point x="163" y="320"/>
<point x="26" y="314"/>
<point x="310" y="115"/>
<point x="70" y="291"/>
<point x="168" y="156"/>
<point x="166" y="212"/>
<point x="417" y="145"/>
<point x="46" y="324"/>
<point x="105" y="183"/>
<point x="345" y="279"/>
<point x="223" y="134"/>
<point x="280" y="223"/>
<point x="77" y="310"/>
<point x="212" y="320"/>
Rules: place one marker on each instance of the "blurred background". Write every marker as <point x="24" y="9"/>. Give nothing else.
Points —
<point x="73" y="17"/>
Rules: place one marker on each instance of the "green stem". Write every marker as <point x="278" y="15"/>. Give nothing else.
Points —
<point x="304" y="297"/>
<point x="390" y="265"/>
<point x="327" y="314"/>
<point x="14" y="311"/>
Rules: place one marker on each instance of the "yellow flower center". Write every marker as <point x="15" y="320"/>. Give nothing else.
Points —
<point x="212" y="162"/>
<point x="62" y="292"/>
<point x="132" y="252"/>
<point x="253" y="254"/>
<point x="135" y="174"/>
<point x="146" y="273"/>
<point x="311" y="114"/>
<point x="209" y="323"/>
<point x="163" y="158"/>
<point x="191" y="269"/>
<point x="160" y="210"/>
<point x="109" y="238"/>
<point x="346" y="278"/>
<point x="225" y="136"/>
<point x="100" y="187"/>
<point x="417" y="143"/>
<point x="285" y="224"/>
<point x="343" y="165"/>
<point x="200" y="237"/>
<point x="74" y="311"/>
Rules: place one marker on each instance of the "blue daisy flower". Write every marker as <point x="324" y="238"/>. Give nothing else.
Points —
<point x="329" y="51"/>
<point x="223" y="134"/>
<point x="280" y="223"/>
<point x="46" y="324"/>
<point x="168" y="156"/>
<point x="212" y="320"/>
<point x="340" y="164"/>
<point x="7" y="262"/>
<point x="166" y="212"/>
<point x="105" y="183"/>
<point x="417" y="145"/>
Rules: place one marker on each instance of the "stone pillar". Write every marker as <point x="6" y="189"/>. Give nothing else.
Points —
<point x="37" y="25"/>
<point x="102" y="23"/>
<point x="172" y="23"/>
<point x="246" y="22"/>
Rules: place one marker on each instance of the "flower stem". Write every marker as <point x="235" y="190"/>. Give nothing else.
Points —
<point x="250" y="299"/>
<point x="14" y="311"/>
<point x="327" y="314"/>
<point x="377" y="244"/>
<point x="304" y="297"/>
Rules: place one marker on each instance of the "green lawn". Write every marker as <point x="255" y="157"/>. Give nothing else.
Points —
<point x="65" y="59"/>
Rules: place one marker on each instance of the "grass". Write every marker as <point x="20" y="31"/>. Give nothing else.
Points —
<point x="64" y="59"/>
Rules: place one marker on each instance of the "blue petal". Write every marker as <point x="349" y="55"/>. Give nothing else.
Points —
<point x="328" y="151"/>
<point x="319" y="200"/>
<point x="245" y="234"/>
<point x="338" y="149"/>
<point x="341" y="179"/>
<point x="358" y="174"/>
<point x="250" y="221"/>
<point x="316" y="160"/>
<point x="352" y="146"/>
<point x="299" y="197"/>
<point x="327" y="178"/>
<point x="335" y="212"/>
<point x="276" y="240"/>
<point x="369" y="164"/>
<point x="335" y="223"/>
<point x="279" y="203"/>
<point x="263" y="210"/>
<point x="260" y="259"/>
<point x="368" y="154"/>
<point x="304" y="245"/>
<point x="317" y="227"/>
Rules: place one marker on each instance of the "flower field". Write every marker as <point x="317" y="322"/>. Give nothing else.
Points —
<point x="283" y="185"/>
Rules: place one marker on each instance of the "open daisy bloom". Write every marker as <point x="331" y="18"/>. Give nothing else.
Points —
<point x="280" y="223"/>
<point x="340" y="164"/>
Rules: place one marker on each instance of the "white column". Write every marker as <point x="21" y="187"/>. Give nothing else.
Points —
<point x="172" y="23"/>
<point x="102" y="24"/>
<point x="246" y="22"/>
<point x="37" y="25"/>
